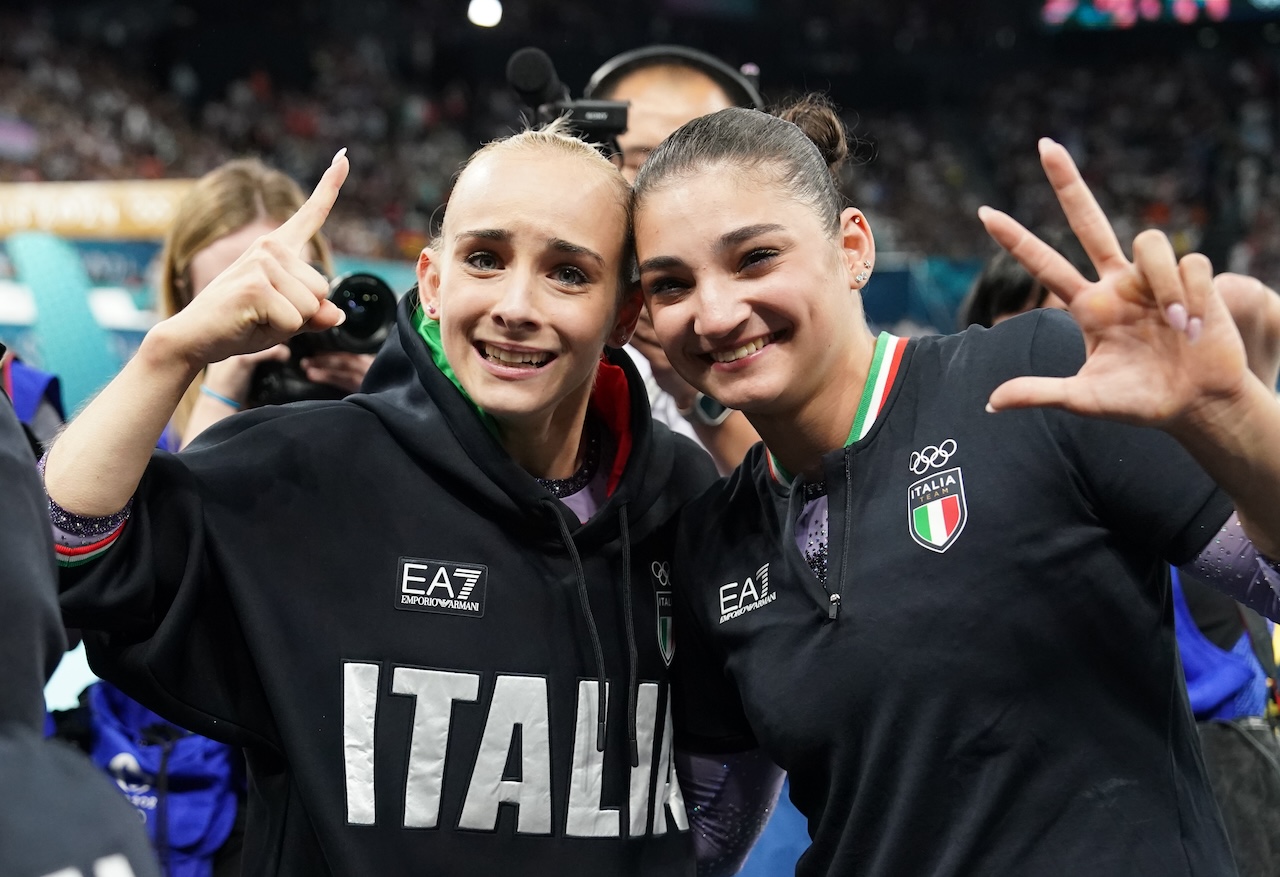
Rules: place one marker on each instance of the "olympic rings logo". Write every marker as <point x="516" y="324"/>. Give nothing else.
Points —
<point x="932" y="457"/>
<point x="661" y="572"/>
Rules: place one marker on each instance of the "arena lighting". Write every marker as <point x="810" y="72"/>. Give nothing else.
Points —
<point x="484" y="13"/>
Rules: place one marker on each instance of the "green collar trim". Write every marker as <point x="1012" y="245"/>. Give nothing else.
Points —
<point x="429" y="331"/>
<point x="860" y="422"/>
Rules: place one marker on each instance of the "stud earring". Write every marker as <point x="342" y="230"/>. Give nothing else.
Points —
<point x="860" y="277"/>
<point x="431" y="310"/>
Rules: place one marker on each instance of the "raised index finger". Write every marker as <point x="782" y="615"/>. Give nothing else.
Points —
<point x="300" y="228"/>
<point x="1090" y="224"/>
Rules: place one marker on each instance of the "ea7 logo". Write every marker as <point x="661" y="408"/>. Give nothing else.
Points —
<point x="442" y="586"/>
<point x="739" y="598"/>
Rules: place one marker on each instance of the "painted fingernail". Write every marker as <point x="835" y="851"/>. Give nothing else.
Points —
<point x="990" y="409"/>
<point x="337" y="155"/>
<point x="1044" y="143"/>
<point x="1176" y="316"/>
<point x="983" y="212"/>
<point x="1194" y="327"/>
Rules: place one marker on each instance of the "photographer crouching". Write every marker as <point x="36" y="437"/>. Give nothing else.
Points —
<point x="228" y="209"/>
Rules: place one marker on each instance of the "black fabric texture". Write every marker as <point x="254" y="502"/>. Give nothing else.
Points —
<point x="63" y="814"/>
<point x="58" y="811"/>
<point x="32" y="640"/>
<point x="1010" y="703"/>
<point x="263" y="563"/>
<point x="1243" y="759"/>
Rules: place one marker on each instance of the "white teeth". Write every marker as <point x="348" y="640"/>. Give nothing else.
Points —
<point x="515" y="357"/>
<point x="741" y="352"/>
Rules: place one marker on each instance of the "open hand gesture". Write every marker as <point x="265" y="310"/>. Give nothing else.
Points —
<point x="267" y="295"/>
<point x="1160" y="343"/>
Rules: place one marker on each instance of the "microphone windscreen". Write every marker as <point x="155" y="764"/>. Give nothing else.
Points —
<point x="533" y="76"/>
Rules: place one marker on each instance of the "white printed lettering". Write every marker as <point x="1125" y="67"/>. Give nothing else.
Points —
<point x="522" y="701"/>
<point x="408" y="577"/>
<point x="642" y="774"/>
<point x="435" y="692"/>
<point x="730" y="598"/>
<point x="441" y="580"/>
<point x="359" y="717"/>
<point x="113" y="866"/>
<point x="586" y="817"/>
<point x="668" y="787"/>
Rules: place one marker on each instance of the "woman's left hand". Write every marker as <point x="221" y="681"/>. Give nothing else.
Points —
<point x="1161" y="346"/>
<point x="344" y="370"/>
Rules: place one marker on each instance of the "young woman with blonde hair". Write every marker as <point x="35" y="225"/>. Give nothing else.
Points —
<point x="436" y="614"/>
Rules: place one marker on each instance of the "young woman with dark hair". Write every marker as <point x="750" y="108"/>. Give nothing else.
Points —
<point x="938" y="590"/>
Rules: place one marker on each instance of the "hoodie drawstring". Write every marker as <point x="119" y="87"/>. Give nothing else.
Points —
<point x="585" y="603"/>
<point x="633" y="683"/>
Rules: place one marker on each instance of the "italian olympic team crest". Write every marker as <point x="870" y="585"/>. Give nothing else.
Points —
<point x="662" y="594"/>
<point x="936" y="510"/>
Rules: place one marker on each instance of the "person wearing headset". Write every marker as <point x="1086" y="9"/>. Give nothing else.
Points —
<point x="667" y="86"/>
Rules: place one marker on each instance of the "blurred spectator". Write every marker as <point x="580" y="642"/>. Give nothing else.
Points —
<point x="1185" y="143"/>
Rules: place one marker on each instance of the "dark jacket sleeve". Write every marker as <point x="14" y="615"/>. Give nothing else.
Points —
<point x="706" y="707"/>
<point x="32" y="639"/>
<point x="157" y="617"/>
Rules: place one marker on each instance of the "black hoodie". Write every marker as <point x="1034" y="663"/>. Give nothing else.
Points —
<point x="58" y="814"/>
<point x="405" y="631"/>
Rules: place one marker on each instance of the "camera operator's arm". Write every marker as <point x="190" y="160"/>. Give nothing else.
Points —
<point x="225" y="388"/>
<point x="267" y="295"/>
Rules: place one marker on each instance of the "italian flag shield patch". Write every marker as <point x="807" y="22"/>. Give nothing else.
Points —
<point x="936" y="510"/>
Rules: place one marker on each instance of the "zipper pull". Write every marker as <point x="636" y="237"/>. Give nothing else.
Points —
<point x="834" y="609"/>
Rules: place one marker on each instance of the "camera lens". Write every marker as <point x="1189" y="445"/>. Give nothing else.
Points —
<point x="370" y="306"/>
<point x="361" y="302"/>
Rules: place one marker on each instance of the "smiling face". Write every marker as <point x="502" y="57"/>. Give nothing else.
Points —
<point x="525" y="283"/>
<point x="750" y="295"/>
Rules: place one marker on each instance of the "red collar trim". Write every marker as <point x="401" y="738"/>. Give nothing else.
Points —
<point x="611" y="399"/>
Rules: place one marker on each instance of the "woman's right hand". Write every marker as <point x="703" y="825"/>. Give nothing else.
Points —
<point x="267" y="295"/>
<point x="231" y="377"/>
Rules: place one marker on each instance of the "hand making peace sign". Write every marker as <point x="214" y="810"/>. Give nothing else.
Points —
<point x="1160" y="343"/>
<point x="267" y="295"/>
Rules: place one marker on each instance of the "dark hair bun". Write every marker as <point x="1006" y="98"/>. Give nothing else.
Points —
<point x="816" y="116"/>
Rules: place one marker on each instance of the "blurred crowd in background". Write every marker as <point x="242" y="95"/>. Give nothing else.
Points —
<point x="1184" y="141"/>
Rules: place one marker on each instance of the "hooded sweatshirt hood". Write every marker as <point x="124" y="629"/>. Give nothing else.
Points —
<point x="422" y="405"/>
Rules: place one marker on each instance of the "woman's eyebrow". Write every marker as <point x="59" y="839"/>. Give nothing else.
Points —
<point x="738" y="236"/>
<point x="661" y="263"/>
<point x="563" y="246"/>
<point x="727" y="241"/>
<point x="488" y="234"/>
<point x="560" y="245"/>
